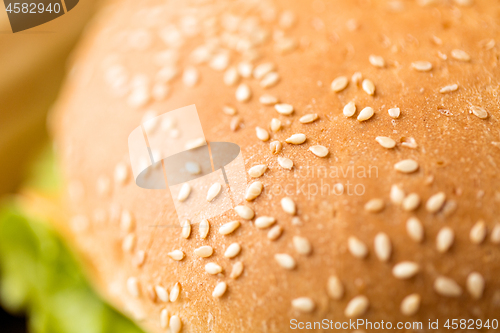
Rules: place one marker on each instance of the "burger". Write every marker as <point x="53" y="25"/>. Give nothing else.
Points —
<point x="369" y="191"/>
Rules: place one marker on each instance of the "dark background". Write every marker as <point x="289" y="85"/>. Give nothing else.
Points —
<point x="11" y="324"/>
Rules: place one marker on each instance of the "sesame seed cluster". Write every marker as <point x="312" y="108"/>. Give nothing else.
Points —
<point x="298" y="86"/>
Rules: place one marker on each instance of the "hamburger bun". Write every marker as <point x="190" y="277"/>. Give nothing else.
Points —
<point x="387" y="211"/>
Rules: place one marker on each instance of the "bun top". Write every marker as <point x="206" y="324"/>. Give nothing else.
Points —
<point x="369" y="131"/>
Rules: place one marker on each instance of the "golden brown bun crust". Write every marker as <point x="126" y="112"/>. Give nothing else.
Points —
<point x="457" y="153"/>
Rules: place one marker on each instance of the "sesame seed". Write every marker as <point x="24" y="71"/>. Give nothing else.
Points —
<point x="285" y="109"/>
<point x="405" y="270"/>
<point x="475" y="285"/>
<point x="232" y="250"/>
<point x="164" y="318"/>
<point x="275" y="232"/>
<point x="262" y="134"/>
<point x="444" y="239"/>
<point x="219" y="290"/>
<point x="394" y="113"/>
<point x="445" y="286"/>
<point x="254" y="190"/>
<point x="219" y="62"/>
<point x="175" y="324"/>
<point x="357" y="306"/>
<point x="478" y="232"/>
<point x="193" y="168"/>
<point x="284" y="45"/>
<point x="121" y="173"/>
<point x="335" y="287"/>
<point x="174" y="293"/>
<point x="288" y="206"/>
<point x="397" y="194"/>
<point x="231" y="77"/>
<point x="269" y="80"/>
<point x="186" y="229"/>
<point x="235" y="123"/>
<point x="127" y="222"/>
<point x="139" y="96"/>
<point x="261" y="70"/>
<point x="303" y="304"/>
<point x="263" y="222"/>
<point x="318" y="150"/>
<point x="161" y="293"/>
<point x="140" y="258"/>
<point x="415" y="229"/>
<point x="204" y="228"/>
<point x="257" y="170"/>
<point x="406" y="166"/>
<point x="133" y="286"/>
<point x="103" y="186"/>
<point x="460" y="55"/>
<point x="128" y="243"/>
<point x="421" y="66"/>
<point x="377" y="61"/>
<point x="356" y="78"/>
<point x="437" y="40"/>
<point x="237" y="270"/>
<point x="195" y="143"/>
<point x="285" y="163"/>
<point x="229" y="227"/>
<point x="357" y="248"/>
<point x="368" y="87"/>
<point x="267" y="99"/>
<point x="308" y="118"/>
<point x="450" y="88"/>
<point x="339" y="83"/>
<point x="204" y="251"/>
<point x="296" y="139"/>
<point x="213" y="191"/>
<point x="275" y="147"/>
<point x="302" y="245"/>
<point x="190" y="76"/>
<point x="410" y="304"/>
<point x="442" y="55"/>
<point x="245" y="69"/>
<point x="383" y="247"/>
<point x="435" y="202"/>
<point x="285" y="260"/>
<point x="386" y="142"/>
<point x="479" y="112"/>
<point x="229" y="110"/>
<point x="374" y="205"/>
<point x="243" y="93"/>
<point x="287" y="19"/>
<point x="349" y="109"/>
<point x="296" y="221"/>
<point x="150" y="292"/>
<point x="244" y="212"/>
<point x="409" y="142"/>
<point x="176" y="255"/>
<point x="167" y="74"/>
<point x="411" y="202"/>
<point x="213" y="268"/>
<point x="495" y="234"/>
<point x="365" y="114"/>
<point x="275" y="125"/>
